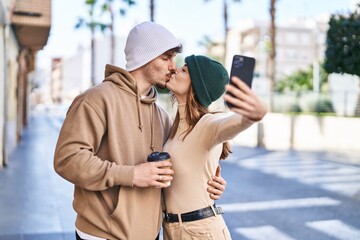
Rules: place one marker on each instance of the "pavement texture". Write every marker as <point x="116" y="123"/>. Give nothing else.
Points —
<point x="35" y="203"/>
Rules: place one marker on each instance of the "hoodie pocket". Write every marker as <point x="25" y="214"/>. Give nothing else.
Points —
<point x="117" y="210"/>
<point x="138" y="211"/>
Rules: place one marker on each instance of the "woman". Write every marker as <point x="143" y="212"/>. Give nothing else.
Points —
<point x="198" y="141"/>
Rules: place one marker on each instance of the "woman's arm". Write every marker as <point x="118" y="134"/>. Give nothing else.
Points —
<point x="248" y="109"/>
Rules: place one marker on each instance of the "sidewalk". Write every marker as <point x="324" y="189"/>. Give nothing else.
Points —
<point x="35" y="203"/>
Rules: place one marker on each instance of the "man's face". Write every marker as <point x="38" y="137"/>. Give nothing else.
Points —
<point x="160" y="70"/>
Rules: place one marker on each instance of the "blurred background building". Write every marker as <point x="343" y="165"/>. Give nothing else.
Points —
<point x="299" y="43"/>
<point x="24" y="30"/>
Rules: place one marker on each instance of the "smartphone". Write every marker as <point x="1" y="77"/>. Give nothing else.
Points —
<point x="243" y="68"/>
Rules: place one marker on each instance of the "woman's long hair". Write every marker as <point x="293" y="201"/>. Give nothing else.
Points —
<point x="194" y="111"/>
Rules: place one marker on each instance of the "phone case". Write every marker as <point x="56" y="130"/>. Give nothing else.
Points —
<point x="243" y="68"/>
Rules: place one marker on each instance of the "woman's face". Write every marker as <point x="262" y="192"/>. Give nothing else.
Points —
<point x="180" y="83"/>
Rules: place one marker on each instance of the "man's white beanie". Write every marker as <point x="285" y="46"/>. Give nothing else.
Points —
<point x="145" y="42"/>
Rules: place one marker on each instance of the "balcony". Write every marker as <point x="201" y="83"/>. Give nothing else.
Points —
<point x="31" y="21"/>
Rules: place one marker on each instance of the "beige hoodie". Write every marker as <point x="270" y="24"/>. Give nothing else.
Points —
<point x="107" y="130"/>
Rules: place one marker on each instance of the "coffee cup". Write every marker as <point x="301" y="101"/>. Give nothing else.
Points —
<point x="158" y="157"/>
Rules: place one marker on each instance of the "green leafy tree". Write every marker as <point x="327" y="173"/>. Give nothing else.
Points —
<point x="301" y="80"/>
<point x="297" y="82"/>
<point x="343" y="44"/>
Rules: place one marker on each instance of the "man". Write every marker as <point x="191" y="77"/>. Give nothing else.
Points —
<point x="107" y="135"/>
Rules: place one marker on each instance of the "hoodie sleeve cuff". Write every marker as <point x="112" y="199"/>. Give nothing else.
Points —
<point x="124" y="176"/>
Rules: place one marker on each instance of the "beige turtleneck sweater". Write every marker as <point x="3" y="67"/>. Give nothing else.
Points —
<point x="196" y="158"/>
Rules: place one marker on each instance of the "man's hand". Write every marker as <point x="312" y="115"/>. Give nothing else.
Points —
<point x="154" y="174"/>
<point x="217" y="185"/>
<point x="244" y="100"/>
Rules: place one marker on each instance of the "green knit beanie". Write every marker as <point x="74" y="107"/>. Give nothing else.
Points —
<point x="208" y="78"/>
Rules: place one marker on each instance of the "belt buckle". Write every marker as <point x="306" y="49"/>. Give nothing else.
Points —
<point x="219" y="210"/>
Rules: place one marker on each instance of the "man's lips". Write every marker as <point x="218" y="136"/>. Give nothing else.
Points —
<point x="168" y="76"/>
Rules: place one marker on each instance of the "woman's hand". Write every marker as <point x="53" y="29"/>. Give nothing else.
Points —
<point x="216" y="185"/>
<point x="244" y="100"/>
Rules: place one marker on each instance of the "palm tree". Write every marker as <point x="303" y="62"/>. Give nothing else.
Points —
<point x="92" y="22"/>
<point x="108" y="7"/>
<point x="226" y="25"/>
<point x="152" y="10"/>
<point x="209" y="44"/>
<point x="272" y="54"/>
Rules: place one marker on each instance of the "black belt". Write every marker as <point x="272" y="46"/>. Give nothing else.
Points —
<point x="194" y="215"/>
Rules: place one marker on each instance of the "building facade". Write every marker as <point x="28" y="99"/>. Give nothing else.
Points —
<point x="299" y="44"/>
<point x="24" y="29"/>
<point x="71" y="76"/>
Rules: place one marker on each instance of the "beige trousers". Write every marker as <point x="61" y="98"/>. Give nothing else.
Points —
<point x="208" y="228"/>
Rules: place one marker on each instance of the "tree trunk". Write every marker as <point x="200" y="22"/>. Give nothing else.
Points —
<point x="93" y="82"/>
<point x="357" y="110"/>
<point x="152" y="8"/>
<point x="272" y="55"/>
<point x="113" y="47"/>
<point x="226" y="28"/>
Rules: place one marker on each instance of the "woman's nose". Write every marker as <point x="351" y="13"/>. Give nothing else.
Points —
<point x="174" y="70"/>
<point x="177" y="70"/>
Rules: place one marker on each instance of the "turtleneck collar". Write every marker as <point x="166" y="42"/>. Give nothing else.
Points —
<point x="181" y="109"/>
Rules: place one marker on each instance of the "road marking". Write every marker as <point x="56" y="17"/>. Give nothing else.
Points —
<point x="298" y="167"/>
<point x="317" y="172"/>
<point x="263" y="233"/>
<point x="336" y="229"/>
<point x="328" y="176"/>
<point x="331" y="179"/>
<point x="348" y="189"/>
<point x="279" y="204"/>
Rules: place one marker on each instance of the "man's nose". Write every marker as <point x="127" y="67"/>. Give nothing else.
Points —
<point x="172" y="66"/>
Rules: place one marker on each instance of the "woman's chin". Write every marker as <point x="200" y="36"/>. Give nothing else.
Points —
<point x="168" y="86"/>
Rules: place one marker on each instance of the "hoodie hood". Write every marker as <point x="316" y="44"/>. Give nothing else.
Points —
<point x="127" y="83"/>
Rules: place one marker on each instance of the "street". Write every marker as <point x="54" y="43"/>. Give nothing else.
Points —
<point x="280" y="195"/>
<point x="291" y="195"/>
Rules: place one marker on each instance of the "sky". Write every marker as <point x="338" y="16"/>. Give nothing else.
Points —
<point x="188" y="20"/>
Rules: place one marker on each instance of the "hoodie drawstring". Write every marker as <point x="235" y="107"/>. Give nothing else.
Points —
<point x="138" y="107"/>
<point x="152" y="127"/>
<point x="138" y="102"/>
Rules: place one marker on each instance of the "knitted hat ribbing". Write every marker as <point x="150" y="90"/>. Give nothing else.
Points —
<point x="145" y="42"/>
<point x="208" y="78"/>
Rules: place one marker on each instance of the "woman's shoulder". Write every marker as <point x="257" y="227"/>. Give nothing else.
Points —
<point x="211" y="118"/>
<point x="214" y="116"/>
